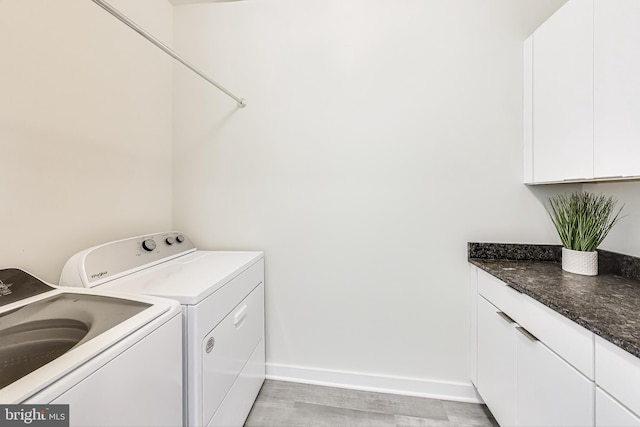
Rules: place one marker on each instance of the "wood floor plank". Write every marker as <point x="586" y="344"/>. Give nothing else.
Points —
<point x="469" y="413"/>
<point x="404" y="421"/>
<point x="287" y="404"/>
<point x="355" y="399"/>
<point x="271" y="413"/>
<point x="308" y="414"/>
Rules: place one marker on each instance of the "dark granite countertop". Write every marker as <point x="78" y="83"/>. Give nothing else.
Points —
<point x="607" y="304"/>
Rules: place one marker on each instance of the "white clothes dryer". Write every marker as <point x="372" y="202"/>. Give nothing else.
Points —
<point x="111" y="357"/>
<point x="222" y="298"/>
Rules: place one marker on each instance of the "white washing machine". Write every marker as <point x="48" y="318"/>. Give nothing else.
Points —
<point x="222" y="298"/>
<point x="111" y="357"/>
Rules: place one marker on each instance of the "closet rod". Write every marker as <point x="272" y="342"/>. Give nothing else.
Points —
<point x="106" y="6"/>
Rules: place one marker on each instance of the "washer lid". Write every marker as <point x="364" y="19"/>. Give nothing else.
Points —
<point x="35" y="334"/>
<point x="189" y="278"/>
<point x="46" y="336"/>
<point x="16" y="285"/>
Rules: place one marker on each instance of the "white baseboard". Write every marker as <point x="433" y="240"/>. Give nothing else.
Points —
<point x="455" y="391"/>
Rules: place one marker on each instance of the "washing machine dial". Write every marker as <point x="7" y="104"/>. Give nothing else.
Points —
<point x="170" y="241"/>
<point x="180" y="238"/>
<point x="149" y="245"/>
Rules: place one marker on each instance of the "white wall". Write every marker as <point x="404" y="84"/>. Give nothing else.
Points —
<point x="85" y="129"/>
<point x="625" y="236"/>
<point x="378" y="139"/>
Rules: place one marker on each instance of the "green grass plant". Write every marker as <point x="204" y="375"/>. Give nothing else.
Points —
<point x="583" y="219"/>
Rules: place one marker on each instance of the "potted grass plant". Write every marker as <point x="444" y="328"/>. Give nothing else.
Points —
<point x="582" y="220"/>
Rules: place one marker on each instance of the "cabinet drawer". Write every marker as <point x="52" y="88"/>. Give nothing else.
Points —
<point x="499" y="294"/>
<point x="566" y="338"/>
<point x="618" y="373"/>
<point x="610" y="413"/>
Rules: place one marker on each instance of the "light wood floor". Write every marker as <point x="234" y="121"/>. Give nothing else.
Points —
<point x="284" y="404"/>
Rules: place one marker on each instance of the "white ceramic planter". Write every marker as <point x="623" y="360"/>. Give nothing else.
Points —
<point x="579" y="262"/>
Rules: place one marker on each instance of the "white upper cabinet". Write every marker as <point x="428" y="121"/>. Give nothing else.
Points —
<point x="582" y="97"/>
<point x="563" y="94"/>
<point x="527" y="110"/>
<point x="616" y="88"/>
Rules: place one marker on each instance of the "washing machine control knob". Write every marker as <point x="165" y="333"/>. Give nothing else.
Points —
<point x="170" y="241"/>
<point x="149" y="245"/>
<point x="180" y="238"/>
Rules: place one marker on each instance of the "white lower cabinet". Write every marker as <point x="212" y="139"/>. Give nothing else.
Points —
<point x="617" y="377"/>
<point x="550" y="392"/>
<point x="610" y="413"/>
<point x="534" y="367"/>
<point x="497" y="362"/>
<point x="522" y="381"/>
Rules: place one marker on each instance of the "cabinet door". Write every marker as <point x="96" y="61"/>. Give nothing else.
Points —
<point x="610" y="413"/>
<point x="473" y="351"/>
<point x="616" y="88"/>
<point x="563" y="94"/>
<point x="550" y="391"/>
<point x="618" y="372"/>
<point x="527" y="110"/>
<point x="497" y="362"/>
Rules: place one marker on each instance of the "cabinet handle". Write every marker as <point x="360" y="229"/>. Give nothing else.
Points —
<point x="505" y="317"/>
<point x="527" y="334"/>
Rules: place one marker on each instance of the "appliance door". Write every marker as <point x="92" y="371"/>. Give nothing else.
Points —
<point x="227" y="348"/>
